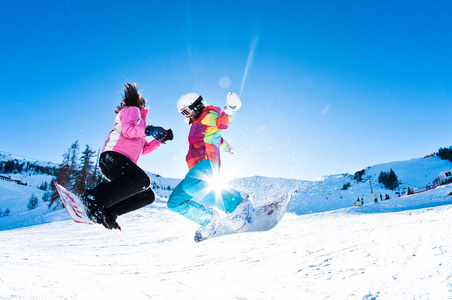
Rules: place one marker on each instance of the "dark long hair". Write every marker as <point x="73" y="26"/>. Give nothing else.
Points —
<point x="131" y="97"/>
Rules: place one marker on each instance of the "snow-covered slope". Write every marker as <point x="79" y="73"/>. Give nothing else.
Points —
<point x="14" y="195"/>
<point x="342" y="254"/>
<point x="323" y="195"/>
<point x="327" y="193"/>
<point x="323" y="248"/>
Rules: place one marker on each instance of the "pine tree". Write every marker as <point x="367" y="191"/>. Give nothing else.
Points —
<point x="73" y="161"/>
<point x="46" y="197"/>
<point x="43" y="186"/>
<point x="84" y="177"/>
<point x="359" y="175"/>
<point x="66" y="174"/>
<point x="393" y="180"/>
<point x="53" y="194"/>
<point x="383" y="178"/>
<point x="68" y="168"/>
<point x="445" y="153"/>
<point x="97" y="176"/>
<point x="389" y="179"/>
<point x="9" y="166"/>
<point x="32" y="202"/>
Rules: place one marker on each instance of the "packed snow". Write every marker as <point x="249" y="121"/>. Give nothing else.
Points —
<point x="324" y="247"/>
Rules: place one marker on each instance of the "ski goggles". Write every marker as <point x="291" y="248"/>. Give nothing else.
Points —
<point x="188" y="111"/>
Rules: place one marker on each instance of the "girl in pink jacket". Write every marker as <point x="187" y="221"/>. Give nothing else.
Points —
<point x="128" y="187"/>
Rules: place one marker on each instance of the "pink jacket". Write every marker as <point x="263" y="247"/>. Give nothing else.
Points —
<point x="128" y="137"/>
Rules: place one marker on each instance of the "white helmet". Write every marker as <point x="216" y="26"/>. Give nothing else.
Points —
<point x="189" y="102"/>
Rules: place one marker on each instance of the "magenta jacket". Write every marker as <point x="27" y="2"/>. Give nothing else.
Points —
<point x="128" y="137"/>
<point x="205" y="137"/>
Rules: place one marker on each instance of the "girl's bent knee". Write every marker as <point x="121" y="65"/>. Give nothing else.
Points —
<point x="174" y="201"/>
<point x="146" y="183"/>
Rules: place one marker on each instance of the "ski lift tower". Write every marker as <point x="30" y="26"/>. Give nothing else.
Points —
<point x="370" y="182"/>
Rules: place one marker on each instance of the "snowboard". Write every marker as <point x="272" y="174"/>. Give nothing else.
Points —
<point x="74" y="206"/>
<point x="265" y="217"/>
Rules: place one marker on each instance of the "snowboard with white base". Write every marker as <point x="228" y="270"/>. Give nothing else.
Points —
<point x="265" y="217"/>
<point x="74" y="206"/>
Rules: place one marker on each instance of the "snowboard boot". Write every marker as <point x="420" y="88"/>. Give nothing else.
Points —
<point x="109" y="219"/>
<point x="210" y="229"/>
<point x="93" y="207"/>
<point x="241" y="216"/>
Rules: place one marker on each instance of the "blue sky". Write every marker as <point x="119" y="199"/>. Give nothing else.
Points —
<point x="327" y="87"/>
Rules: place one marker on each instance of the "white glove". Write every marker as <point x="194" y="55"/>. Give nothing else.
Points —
<point x="233" y="103"/>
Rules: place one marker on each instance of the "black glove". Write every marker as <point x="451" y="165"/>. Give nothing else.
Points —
<point x="156" y="132"/>
<point x="168" y="137"/>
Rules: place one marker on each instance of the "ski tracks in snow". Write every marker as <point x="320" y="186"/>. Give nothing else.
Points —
<point x="401" y="255"/>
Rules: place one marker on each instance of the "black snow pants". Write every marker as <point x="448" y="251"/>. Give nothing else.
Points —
<point x="128" y="188"/>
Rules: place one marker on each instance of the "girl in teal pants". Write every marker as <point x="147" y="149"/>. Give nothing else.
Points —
<point x="196" y="186"/>
<point x="194" y="198"/>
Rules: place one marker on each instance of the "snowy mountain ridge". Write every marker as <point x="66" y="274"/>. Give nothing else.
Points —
<point x="325" y="194"/>
<point x="328" y="194"/>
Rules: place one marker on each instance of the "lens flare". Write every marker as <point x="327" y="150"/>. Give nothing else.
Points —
<point x="217" y="183"/>
<point x="249" y="61"/>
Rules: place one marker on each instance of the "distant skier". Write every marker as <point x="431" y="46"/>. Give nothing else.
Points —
<point x="203" y="159"/>
<point x="128" y="187"/>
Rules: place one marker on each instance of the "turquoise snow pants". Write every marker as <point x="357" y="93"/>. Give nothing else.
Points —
<point x="195" y="187"/>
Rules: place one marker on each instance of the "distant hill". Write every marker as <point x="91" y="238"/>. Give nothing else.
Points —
<point x="326" y="194"/>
